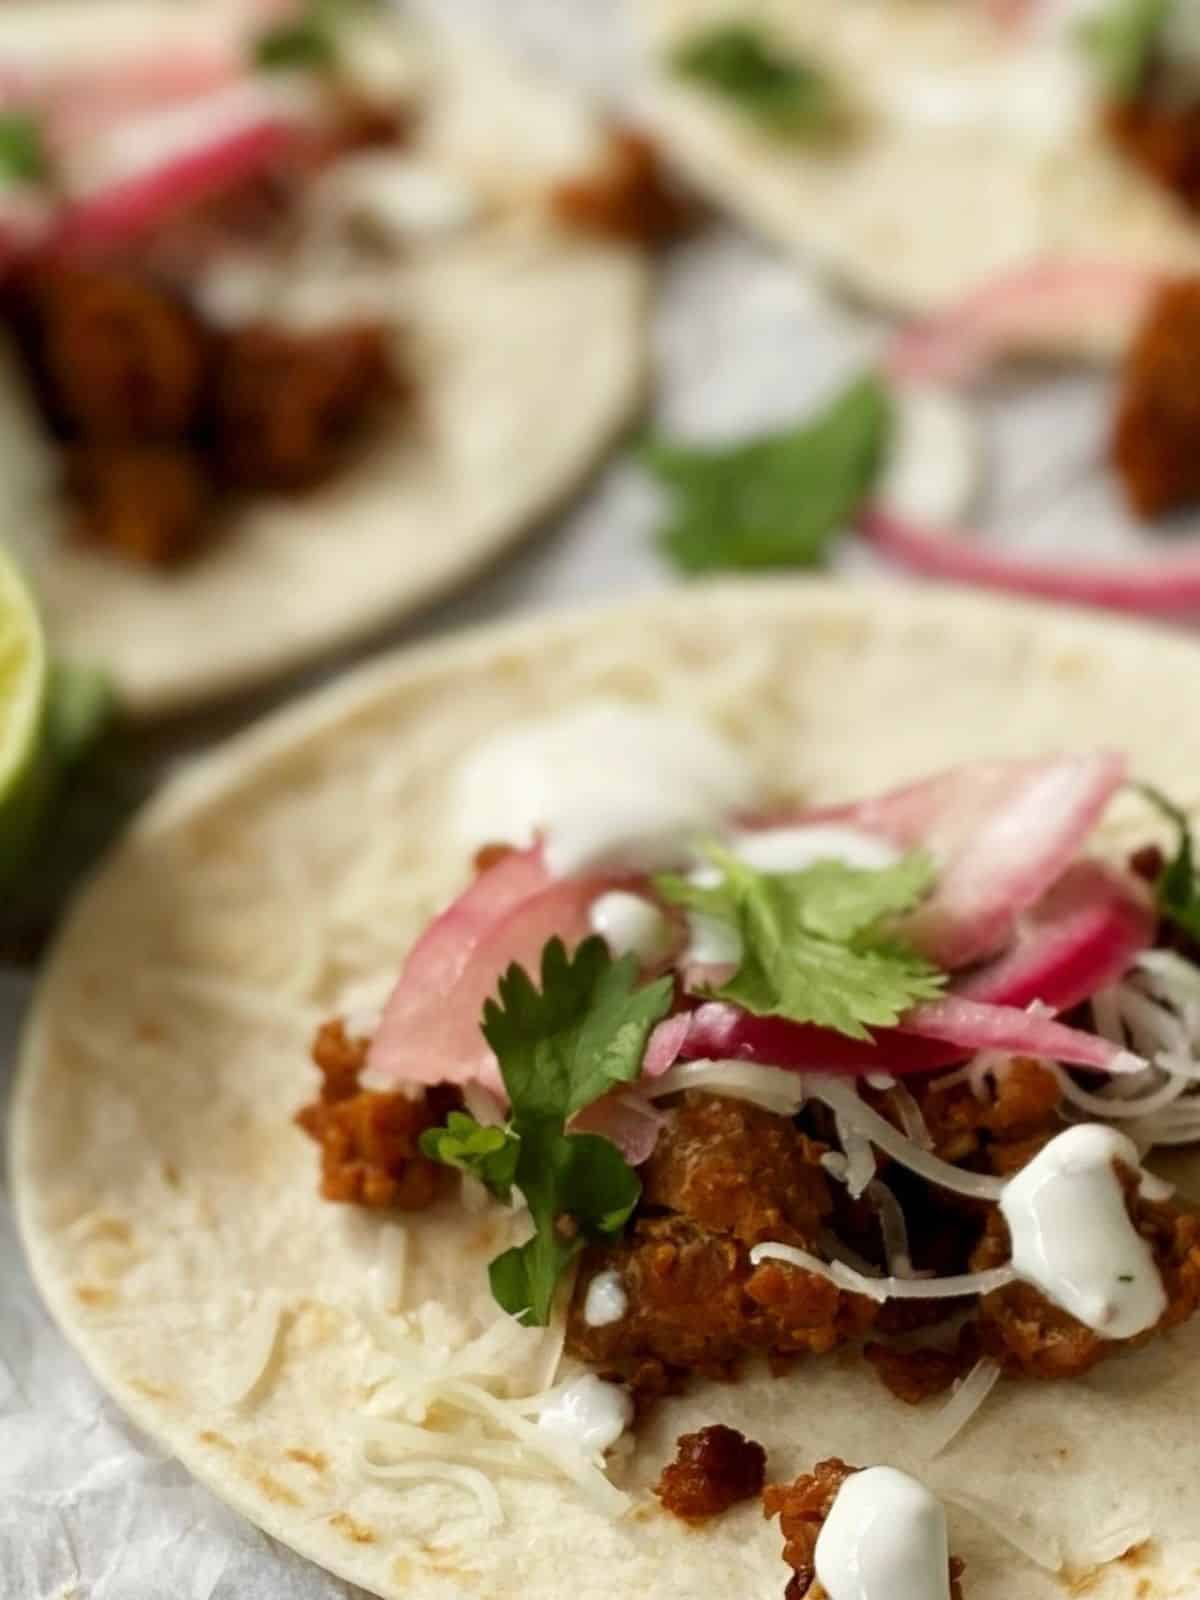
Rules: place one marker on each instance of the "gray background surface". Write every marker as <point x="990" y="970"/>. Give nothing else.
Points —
<point x="87" y="1509"/>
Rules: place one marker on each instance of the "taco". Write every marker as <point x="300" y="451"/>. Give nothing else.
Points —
<point x="862" y="1069"/>
<point x="290" y="299"/>
<point x="915" y="149"/>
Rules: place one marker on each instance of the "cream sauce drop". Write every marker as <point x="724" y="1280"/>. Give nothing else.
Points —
<point x="933" y="466"/>
<point x="588" y="1414"/>
<point x="606" y="1301"/>
<point x="884" y="1539"/>
<point x="792" y="849"/>
<point x="1072" y="1237"/>
<point x="631" y="925"/>
<point x="606" y="784"/>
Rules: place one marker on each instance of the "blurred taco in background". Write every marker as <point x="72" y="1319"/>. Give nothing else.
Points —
<point x="307" y="314"/>
<point x="750" y="1120"/>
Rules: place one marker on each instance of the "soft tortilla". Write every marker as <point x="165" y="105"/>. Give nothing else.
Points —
<point x="910" y="216"/>
<point x="165" y="1196"/>
<point x="529" y="348"/>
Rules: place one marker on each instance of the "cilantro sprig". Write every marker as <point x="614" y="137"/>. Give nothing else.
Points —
<point x="308" y="40"/>
<point x="559" y="1049"/>
<point x="1177" y="889"/>
<point x="1122" y="41"/>
<point x="818" y="945"/>
<point x="780" y="500"/>
<point x="23" y="154"/>
<point x="783" y="94"/>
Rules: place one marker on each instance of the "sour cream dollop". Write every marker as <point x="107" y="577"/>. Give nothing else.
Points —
<point x="606" y="1301"/>
<point x="1072" y="1237"/>
<point x="589" y="1414"/>
<point x="606" y="783"/>
<point x="631" y="925"/>
<point x="884" y="1539"/>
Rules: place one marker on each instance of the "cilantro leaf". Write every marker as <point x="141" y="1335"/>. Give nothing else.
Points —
<point x="786" y="96"/>
<point x="1122" y="41"/>
<point x="1177" y="890"/>
<point x="817" y="945"/>
<point x="487" y="1153"/>
<point x="23" y="157"/>
<point x="559" y="1049"/>
<point x="777" y="501"/>
<point x="304" y="43"/>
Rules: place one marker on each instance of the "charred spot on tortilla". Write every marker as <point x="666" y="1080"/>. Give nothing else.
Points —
<point x="713" y="1469"/>
<point x="634" y="197"/>
<point x="1156" y="438"/>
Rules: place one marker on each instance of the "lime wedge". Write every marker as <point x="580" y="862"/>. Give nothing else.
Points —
<point x="24" y="684"/>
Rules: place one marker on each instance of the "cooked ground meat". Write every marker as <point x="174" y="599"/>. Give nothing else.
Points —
<point x="1156" y="440"/>
<point x="370" y="1154"/>
<point x="712" y="1470"/>
<point x="288" y="405"/>
<point x="149" y="502"/>
<point x="917" y="1375"/>
<point x="1020" y="1105"/>
<point x="118" y="358"/>
<point x="1028" y="1335"/>
<point x="1162" y="134"/>
<point x="727" y="1175"/>
<point x="802" y="1508"/>
<point x="631" y="199"/>
<point x="737" y="1169"/>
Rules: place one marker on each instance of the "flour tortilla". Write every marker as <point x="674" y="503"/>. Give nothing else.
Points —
<point x="167" y="1201"/>
<point x="529" y="350"/>
<point x="910" y="217"/>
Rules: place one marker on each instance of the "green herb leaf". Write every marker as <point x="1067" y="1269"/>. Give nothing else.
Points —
<point x="1122" y="41"/>
<point x="780" y="500"/>
<point x="817" y="945"/>
<point x="23" y="157"/>
<point x="784" y="95"/>
<point x="1178" y="888"/>
<point x="559" y="1049"/>
<point x="487" y="1153"/>
<point x="307" y="43"/>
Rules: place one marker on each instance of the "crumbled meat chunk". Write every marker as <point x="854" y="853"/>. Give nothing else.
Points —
<point x="1020" y="1104"/>
<point x="920" y="1374"/>
<point x="735" y="1168"/>
<point x="697" y="1305"/>
<point x="118" y="357"/>
<point x="148" y="503"/>
<point x="802" y="1508"/>
<point x="1162" y="134"/>
<point x="1156" y="439"/>
<point x="288" y="405"/>
<point x="370" y="1150"/>
<point x="632" y="198"/>
<point x="1029" y="1335"/>
<point x="712" y="1470"/>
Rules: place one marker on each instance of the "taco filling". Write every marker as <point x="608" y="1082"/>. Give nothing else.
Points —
<point x="203" y="256"/>
<point x="764" y="1081"/>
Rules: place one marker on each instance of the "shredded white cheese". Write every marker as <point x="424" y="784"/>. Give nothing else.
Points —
<point x="966" y="1399"/>
<point x="259" y="1345"/>
<point x="881" y="1289"/>
<point x="1035" y="1543"/>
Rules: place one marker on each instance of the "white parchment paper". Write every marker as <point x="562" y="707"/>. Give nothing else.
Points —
<point x="90" y="1511"/>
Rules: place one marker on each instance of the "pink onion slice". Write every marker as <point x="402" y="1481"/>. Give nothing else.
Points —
<point x="130" y="207"/>
<point x="1167" y="586"/>
<point x="665" y="1043"/>
<point x="430" y="1031"/>
<point x="1039" y="306"/>
<point x="1000" y="832"/>
<point x="1079" y="938"/>
<point x="623" y="1116"/>
<point x="932" y="1035"/>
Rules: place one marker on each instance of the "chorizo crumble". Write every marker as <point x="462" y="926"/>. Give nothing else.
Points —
<point x="802" y="1508"/>
<point x="370" y="1150"/>
<point x="713" y="1469"/>
<point x="1156" y="439"/>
